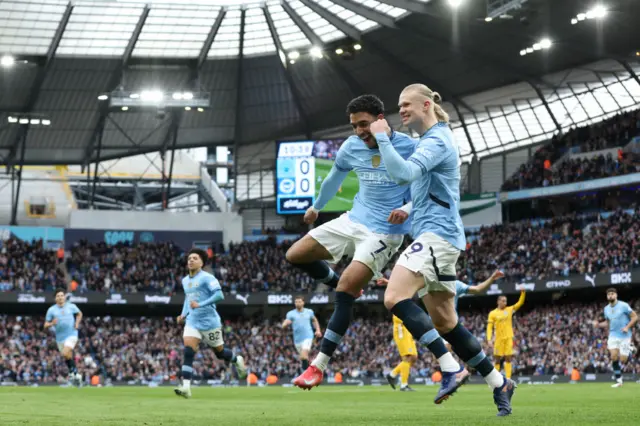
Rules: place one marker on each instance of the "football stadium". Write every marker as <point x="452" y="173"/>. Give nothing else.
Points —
<point x="354" y="212"/>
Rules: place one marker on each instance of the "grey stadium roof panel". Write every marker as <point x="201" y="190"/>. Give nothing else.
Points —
<point x="244" y="54"/>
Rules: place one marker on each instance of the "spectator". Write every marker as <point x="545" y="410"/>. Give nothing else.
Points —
<point x="550" y="339"/>
<point x="614" y="132"/>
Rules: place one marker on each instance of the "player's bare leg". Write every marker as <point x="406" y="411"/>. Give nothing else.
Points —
<point x="190" y="348"/>
<point x="403" y="285"/>
<point x="441" y="307"/>
<point x="311" y="257"/>
<point x="350" y="286"/>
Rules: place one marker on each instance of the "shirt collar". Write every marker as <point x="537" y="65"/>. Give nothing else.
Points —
<point x="435" y="126"/>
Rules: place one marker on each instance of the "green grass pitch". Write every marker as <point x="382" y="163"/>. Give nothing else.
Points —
<point x="343" y="200"/>
<point x="580" y="404"/>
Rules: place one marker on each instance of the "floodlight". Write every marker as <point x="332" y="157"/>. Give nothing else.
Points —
<point x="316" y="52"/>
<point x="7" y="61"/>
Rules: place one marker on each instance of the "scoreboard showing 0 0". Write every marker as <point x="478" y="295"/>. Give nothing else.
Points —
<point x="295" y="177"/>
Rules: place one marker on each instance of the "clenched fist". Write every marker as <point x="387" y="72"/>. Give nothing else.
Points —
<point x="398" y="217"/>
<point x="310" y="216"/>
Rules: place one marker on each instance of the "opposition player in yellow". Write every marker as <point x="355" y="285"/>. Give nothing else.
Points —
<point x="502" y="319"/>
<point x="408" y="353"/>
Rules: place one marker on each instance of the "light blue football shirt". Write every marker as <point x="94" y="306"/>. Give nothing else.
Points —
<point x="301" y="324"/>
<point x="66" y="325"/>
<point x="618" y="316"/>
<point x="378" y="194"/>
<point x="434" y="173"/>
<point x="205" y="289"/>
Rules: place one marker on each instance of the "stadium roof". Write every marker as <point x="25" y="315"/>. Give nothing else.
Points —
<point x="266" y="80"/>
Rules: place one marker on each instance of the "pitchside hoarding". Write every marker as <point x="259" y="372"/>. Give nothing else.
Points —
<point x="375" y="296"/>
<point x="184" y="239"/>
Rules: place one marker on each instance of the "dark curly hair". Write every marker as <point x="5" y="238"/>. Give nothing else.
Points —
<point x="203" y="254"/>
<point x="366" y="103"/>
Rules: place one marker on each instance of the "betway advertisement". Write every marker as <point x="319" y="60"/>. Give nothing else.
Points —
<point x="375" y="296"/>
<point x="184" y="239"/>
<point x="231" y="299"/>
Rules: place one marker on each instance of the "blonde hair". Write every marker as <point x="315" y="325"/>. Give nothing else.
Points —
<point x="423" y="90"/>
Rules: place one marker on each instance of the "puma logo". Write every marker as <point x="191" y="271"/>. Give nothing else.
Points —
<point x="242" y="298"/>
<point x="591" y="279"/>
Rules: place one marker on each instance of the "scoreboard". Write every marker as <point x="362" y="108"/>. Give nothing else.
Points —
<point x="295" y="177"/>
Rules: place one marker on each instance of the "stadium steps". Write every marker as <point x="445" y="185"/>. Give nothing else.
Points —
<point x="212" y="192"/>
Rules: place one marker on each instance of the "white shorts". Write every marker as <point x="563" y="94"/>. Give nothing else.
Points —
<point x="623" y="345"/>
<point x="434" y="258"/>
<point x="212" y="338"/>
<point x="342" y="237"/>
<point x="305" y="345"/>
<point x="69" y="342"/>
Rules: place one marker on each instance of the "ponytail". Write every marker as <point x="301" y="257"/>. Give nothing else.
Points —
<point x="441" y="114"/>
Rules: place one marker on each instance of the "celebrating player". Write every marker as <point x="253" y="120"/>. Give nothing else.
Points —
<point x="620" y="318"/>
<point x="428" y="266"/>
<point x="301" y="319"/>
<point x="202" y="291"/>
<point x="501" y="319"/>
<point x="363" y="233"/>
<point x="65" y="317"/>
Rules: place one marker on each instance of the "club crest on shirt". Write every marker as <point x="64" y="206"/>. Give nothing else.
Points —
<point x="375" y="161"/>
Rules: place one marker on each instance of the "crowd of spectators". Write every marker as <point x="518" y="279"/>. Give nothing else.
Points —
<point x="573" y="244"/>
<point x="152" y="267"/>
<point x="550" y="339"/>
<point x="611" y="133"/>
<point x="578" y="170"/>
<point x="525" y="250"/>
<point x="28" y="266"/>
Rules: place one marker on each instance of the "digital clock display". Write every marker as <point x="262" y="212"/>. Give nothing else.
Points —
<point x="295" y="177"/>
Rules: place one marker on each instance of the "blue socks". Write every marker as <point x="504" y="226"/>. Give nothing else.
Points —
<point x="468" y="349"/>
<point x="187" y="362"/>
<point x="320" y="271"/>
<point x="420" y="326"/>
<point x="71" y="365"/>
<point x="226" y="355"/>
<point x="339" y="323"/>
<point x="617" y="370"/>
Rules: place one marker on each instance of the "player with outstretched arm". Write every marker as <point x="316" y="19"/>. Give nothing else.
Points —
<point x="202" y="321"/>
<point x="501" y="319"/>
